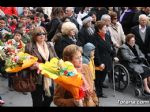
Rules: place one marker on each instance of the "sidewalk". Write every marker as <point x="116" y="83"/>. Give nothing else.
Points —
<point x="13" y="98"/>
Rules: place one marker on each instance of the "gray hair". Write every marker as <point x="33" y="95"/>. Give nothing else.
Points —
<point x="143" y="16"/>
<point x="105" y="16"/>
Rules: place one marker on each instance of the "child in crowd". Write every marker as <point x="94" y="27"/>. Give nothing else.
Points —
<point x="88" y="57"/>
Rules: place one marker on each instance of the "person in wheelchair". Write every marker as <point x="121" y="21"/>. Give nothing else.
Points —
<point x="132" y="55"/>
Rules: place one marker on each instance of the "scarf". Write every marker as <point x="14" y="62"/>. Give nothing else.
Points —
<point x="45" y="54"/>
<point x="102" y="35"/>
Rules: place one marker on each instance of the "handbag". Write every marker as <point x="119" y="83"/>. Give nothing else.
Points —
<point x="24" y="81"/>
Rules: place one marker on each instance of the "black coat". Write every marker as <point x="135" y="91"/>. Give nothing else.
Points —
<point x="99" y="12"/>
<point x="62" y="43"/>
<point x="104" y="51"/>
<point x="144" y="46"/>
<point x="51" y="27"/>
<point x="129" y="20"/>
<point x="74" y="20"/>
<point x="84" y="36"/>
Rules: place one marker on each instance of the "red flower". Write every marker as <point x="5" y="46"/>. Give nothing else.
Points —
<point x="81" y="93"/>
<point x="20" y="45"/>
<point x="65" y="72"/>
<point x="9" y="42"/>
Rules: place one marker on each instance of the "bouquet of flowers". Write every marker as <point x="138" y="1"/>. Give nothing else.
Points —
<point x="18" y="62"/>
<point x="64" y="74"/>
<point x="19" y="46"/>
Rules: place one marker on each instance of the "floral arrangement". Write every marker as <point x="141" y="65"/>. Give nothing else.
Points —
<point x="19" y="46"/>
<point x="20" y="61"/>
<point x="64" y="74"/>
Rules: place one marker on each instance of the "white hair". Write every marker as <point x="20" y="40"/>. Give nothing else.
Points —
<point x="70" y="8"/>
<point x="105" y="16"/>
<point x="67" y="27"/>
<point x="143" y="16"/>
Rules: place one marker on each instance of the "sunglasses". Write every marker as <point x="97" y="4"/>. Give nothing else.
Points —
<point x="39" y="34"/>
<point x="114" y="18"/>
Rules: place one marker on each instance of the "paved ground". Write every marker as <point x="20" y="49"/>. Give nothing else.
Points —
<point x="126" y="98"/>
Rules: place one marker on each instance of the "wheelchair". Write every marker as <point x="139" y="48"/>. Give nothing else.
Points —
<point x="124" y="75"/>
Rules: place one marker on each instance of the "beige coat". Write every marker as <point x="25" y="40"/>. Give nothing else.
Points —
<point x="117" y="35"/>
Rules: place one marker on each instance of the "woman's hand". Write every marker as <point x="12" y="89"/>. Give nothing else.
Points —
<point x="35" y="66"/>
<point x="102" y="67"/>
<point x="78" y="103"/>
<point x="89" y="92"/>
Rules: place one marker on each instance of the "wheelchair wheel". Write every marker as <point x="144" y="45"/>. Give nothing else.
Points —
<point x="121" y="77"/>
<point x="137" y="92"/>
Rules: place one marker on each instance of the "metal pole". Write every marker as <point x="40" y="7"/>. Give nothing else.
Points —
<point x="114" y="81"/>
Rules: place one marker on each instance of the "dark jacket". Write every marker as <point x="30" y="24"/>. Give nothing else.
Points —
<point x="32" y="49"/>
<point x="84" y="36"/>
<point x="144" y="46"/>
<point x="99" y="12"/>
<point x="129" y="20"/>
<point x="128" y="56"/>
<point x="74" y="20"/>
<point x="62" y="43"/>
<point x="104" y="51"/>
<point x="51" y="27"/>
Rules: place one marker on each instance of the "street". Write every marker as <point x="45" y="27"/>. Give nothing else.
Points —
<point x="126" y="98"/>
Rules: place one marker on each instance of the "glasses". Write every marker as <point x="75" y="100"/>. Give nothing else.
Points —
<point x="115" y="18"/>
<point x="39" y="34"/>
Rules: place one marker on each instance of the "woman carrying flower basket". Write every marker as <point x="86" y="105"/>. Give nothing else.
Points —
<point x="43" y="95"/>
<point x="62" y="96"/>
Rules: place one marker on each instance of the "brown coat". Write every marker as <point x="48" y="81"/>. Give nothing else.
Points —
<point x="64" y="98"/>
<point x="32" y="49"/>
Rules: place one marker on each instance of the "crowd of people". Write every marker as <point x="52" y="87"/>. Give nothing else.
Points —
<point x="88" y="37"/>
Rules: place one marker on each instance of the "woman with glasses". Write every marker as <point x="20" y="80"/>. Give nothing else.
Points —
<point x="116" y="30"/>
<point x="62" y="97"/>
<point x="43" y="95"/>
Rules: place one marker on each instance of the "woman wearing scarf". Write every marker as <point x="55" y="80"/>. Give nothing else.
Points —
<point x="69" y="36"/>
<point x="43" y="95"/>
<point x="104" y="54"/>
<point x="64" y="98"/>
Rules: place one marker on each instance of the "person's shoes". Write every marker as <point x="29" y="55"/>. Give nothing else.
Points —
<point x="1" y="102"/>
<point x="11" y="89"/>
<point x="103" y="96"/>
<point x="145" y="92"/>
<point x="104" y="86"/>
<point x="25" y="93"/>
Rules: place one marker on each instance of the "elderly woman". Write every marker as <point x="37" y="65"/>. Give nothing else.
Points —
<point x="131" y="53"/>
<point x="104" y="54"/>
<point x="69" y="32"/>
<point x="43" y="95"/>
<point x="64" y="98"/>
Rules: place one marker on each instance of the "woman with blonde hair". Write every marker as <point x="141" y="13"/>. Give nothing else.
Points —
<point x="69" y="36"/>
<point x="64" y="98"/>
<point x="43" y="95"/>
